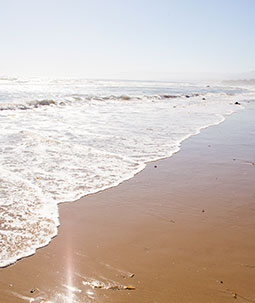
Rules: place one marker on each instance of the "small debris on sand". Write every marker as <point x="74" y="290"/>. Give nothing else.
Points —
<point x="235" y="295"/>
<point x="203" y="210"/>
<point x="129" y="287"/>
<point x="155" y="166"/>
<point x="32" y="291"/>
<point x="132" y="276"/>
<point x="114" y="287"/>
<point x="237" y="103"/>
<point x="98" y="286"/>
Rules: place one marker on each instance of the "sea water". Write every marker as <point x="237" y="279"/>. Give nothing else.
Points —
<point x="62" y="139"/>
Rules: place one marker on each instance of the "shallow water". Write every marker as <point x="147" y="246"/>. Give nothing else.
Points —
<point x="64" y="139"/>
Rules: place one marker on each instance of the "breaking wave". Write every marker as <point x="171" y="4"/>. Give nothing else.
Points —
<point x="80" y="137"/>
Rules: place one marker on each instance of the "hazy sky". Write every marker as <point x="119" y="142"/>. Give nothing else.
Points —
<point x="127" y="39"/>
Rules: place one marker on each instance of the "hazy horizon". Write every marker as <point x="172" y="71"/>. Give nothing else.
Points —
<point x="163" y="78"/>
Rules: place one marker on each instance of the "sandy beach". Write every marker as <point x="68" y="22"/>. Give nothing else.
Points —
<point x="180" y="231"/>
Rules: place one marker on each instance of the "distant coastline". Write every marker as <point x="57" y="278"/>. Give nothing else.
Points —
<point x="250" y="82"/>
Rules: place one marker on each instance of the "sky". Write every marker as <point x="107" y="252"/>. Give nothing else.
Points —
<point x="128" y="39"/>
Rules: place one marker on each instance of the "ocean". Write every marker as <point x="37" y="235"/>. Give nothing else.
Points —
<point x="62" y="139"/>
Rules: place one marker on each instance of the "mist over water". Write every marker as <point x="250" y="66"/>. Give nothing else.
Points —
<point x="64" y="139"/>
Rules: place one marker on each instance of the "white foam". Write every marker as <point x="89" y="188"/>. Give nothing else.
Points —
<point x="51" y="154"/>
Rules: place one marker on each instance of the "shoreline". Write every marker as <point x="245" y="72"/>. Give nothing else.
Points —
<point x="136" y="171"/>
<point x="105" y="236"/>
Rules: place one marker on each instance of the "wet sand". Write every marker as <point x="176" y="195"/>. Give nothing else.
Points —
<point x="182" y="231"/>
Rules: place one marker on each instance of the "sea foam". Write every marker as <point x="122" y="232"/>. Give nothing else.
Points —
<point x="61" y="140"/>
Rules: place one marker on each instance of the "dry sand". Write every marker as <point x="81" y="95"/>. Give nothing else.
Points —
<point x="185" y="229"/>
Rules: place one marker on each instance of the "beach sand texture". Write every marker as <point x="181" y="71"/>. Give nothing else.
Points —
<point x="180" y="231"/>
